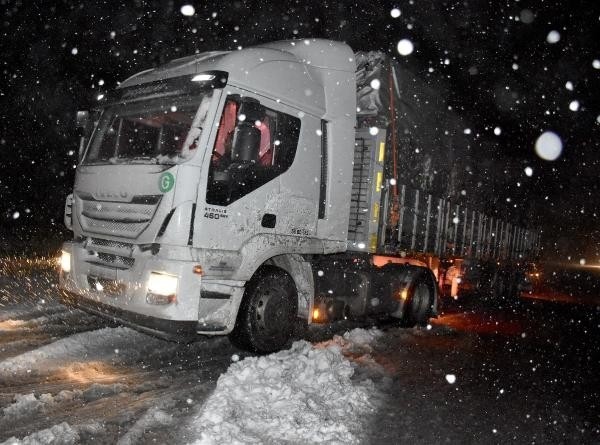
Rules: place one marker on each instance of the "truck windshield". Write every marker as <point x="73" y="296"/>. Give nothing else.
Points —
<point x="156" y="131"/>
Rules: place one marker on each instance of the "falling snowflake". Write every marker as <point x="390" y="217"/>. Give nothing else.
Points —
<point x="188" y="10"/>
<point x="451" y="378"/>
<point x="405" y="47"/>
<point x="553" y="37"/>
<point x="548" y="146"/>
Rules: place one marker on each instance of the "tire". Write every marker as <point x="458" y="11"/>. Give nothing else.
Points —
<point x="267" y="316"/>
<point x="419" y="304"/>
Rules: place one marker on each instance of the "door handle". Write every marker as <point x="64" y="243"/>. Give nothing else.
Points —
<point x="268" y="220"/>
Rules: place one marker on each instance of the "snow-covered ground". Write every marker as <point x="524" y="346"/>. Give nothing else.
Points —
<point x="59" y="367"/>
<point x="478" y="375"/>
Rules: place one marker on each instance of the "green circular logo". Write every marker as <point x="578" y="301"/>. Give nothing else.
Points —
<point x="166" y="182"/>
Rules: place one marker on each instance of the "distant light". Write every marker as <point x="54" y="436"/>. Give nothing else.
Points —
<point x="203" y="77"/>
<point x="373" y="131"/>
<point x="375" y="84"/>
<point x="242" y="117"/>
<point x="74" y="51"/>
<point x="100" y="97"/>
<point x="188" y="10"/>
<point x="553" y="37"/>
<point x="16" y="215"/>
<point x="100" y="82"/>
<point x="582" y="261"/>
<point x="497" y="131"/>
<point x="395" y="13"/>
<point x="569" y="85"/>
<point x="596" y="64"/>
<point x="451" y="378"/>
<point x="467" y="131"/>
<point x="392" y="181"/>
<point x="574" y="105"/>
<point x="515" y="66"/>
<point x="548" y="146"/>
<point x="528" y="171"/>
<point x="455" y="220"/>
<point x="405" y="47"/>
<point x="361" y="245"/>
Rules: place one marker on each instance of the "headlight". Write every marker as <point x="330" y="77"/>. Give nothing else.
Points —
<point x="65" y="261"/>
<point x="162" y="284"/>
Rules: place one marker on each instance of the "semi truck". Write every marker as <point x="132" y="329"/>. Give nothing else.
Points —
<point x="249" y="192"/>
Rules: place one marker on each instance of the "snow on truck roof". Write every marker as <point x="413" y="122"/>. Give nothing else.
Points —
<point x="311" y="74"/>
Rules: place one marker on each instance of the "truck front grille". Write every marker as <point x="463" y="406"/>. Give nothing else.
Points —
<point x="124" y="219"/>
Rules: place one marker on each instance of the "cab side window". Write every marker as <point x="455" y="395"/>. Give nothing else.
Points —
<point x="254" y="145"/>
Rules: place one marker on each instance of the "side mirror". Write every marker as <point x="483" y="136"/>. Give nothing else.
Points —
<point x="82" y="122"/>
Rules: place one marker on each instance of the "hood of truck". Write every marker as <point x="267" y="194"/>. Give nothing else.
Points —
<point x="128" y="202"/>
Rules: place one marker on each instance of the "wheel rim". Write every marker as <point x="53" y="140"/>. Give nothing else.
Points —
<point x="272" y="312"/>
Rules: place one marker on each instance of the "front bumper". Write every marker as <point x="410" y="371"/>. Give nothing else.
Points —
<point x="168" y="329"/>
<point x="201" y="306"/>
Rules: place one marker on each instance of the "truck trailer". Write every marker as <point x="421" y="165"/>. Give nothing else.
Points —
<point x="248" y="192"/>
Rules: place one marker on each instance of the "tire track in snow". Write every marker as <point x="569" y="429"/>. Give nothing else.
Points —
<point x="18" y="335"/>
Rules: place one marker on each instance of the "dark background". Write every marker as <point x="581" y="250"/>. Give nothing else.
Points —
<point x="56" y="56"/>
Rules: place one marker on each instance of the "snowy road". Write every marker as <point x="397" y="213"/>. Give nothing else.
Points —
<point x="524" y="374"/>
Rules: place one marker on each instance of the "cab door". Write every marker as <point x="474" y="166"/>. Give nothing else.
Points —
<point x="260" y="175"/>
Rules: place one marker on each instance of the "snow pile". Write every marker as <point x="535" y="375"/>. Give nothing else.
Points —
<point x="24" y="405"/>
<point x="62" y="434"/>
<point x="301" y="395"/>
<point x="358" y="340"/>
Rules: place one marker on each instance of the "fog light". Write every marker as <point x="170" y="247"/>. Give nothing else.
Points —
<point x="65" y="261"/>
<point x="162" y="288"/>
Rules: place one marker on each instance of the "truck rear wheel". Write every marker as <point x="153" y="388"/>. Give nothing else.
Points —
<point x="419" y="304"/>
<point x="267" y="315"/>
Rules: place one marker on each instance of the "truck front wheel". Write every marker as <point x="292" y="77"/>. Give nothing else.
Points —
<point x="267" y="315"/>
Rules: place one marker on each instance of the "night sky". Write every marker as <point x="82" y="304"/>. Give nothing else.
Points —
<point x="514" y="69"/>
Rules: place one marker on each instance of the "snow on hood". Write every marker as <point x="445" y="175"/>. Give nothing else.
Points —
<point x="302" y="395"/>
